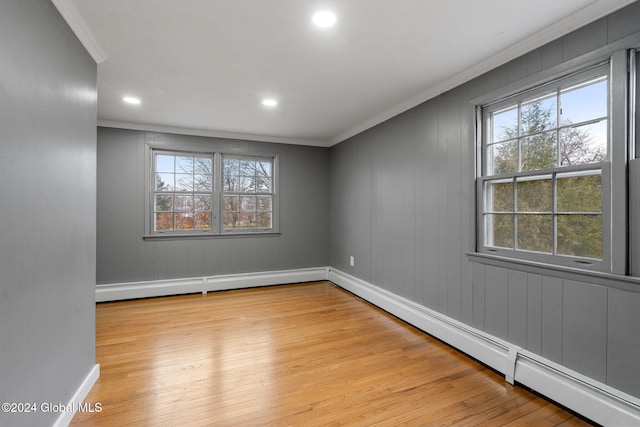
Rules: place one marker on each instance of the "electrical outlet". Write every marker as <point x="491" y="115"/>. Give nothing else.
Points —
<point x="352" y="261"/>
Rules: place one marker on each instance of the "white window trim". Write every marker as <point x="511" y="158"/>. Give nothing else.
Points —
<point x="274" y="195"/>
<point x="217" y="194"/>
<point x="614" y="172"/>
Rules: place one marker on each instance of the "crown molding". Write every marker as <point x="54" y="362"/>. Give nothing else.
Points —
<point x="73" y="18"/>
<point x="587" y="15"/>
<point x="212" y="133"/>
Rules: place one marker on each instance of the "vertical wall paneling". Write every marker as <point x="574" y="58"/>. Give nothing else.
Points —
<point x="467" y="173"/>
<point x="517" y="324"/>
<point x="428" y="227"/>
<point x="585" y="40"/>
<point x="623" y="340"/>
<point x="584" y="329"/>
<point x="563" y="321"/>
<point x="441" y="197"/>
<point x="454" y="202"/>
<point x="534" y="313"/>
<point x="479" y="296"/>
<point x="496" y="315"/>
<point x="125" y="256"/>
<point x="552" y="294"/>
<point x="623" y="23"/>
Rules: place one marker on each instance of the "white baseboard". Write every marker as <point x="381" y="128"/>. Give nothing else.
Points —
<point x="592" y="399"/>
<point x="75" y="403"/>
<point x="156" y="288"/>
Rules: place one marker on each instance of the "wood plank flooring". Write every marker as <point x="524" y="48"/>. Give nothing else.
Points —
<point x="308" y="354"/>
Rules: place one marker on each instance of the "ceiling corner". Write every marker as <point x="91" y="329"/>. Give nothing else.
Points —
<point x="71" y="15"/>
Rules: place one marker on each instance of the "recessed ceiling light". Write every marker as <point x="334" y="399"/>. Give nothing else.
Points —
<point x="324" y="19"/>
<point x="269" y="102"/>
<point x="131" y="100"/>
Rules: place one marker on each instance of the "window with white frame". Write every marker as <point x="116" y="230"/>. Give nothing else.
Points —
<point x="543" y="188"/>
<point x="182" y="191"/>
<point x="211" y="193"/>
<point x="247" y="186"/>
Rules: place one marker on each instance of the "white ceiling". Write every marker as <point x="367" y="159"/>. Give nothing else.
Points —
<point x="203" y="66"/>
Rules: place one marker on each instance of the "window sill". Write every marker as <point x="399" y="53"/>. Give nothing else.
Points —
<point x="197" y="236"/>
<point x="610" y="280"/>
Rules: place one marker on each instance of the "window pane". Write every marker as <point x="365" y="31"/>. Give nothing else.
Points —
<point x="579" y="194"/>
<point x="164" y="182"/>
<point x="246" y="184"/>
<point x="263" y="169"/>
<point x="202" y="166"/>
<point x="184" y="221"/>
<point x="535" y="233"/>
<point x="164" y="203"/>
<point x="248" y="204"/>
<point x="231" y="166"/>
<point x="247" y="167"/>
<point x="539" y="152"/>
<point x="242" y="179"/>
<point x="264" y="220"/>
<point x="163" y="221"/>
<point x="499" y="196"/>
<point x="539" y="115"/>
<point x="584" y="144"/>
<point x="202" y="220"/>
<point x="184" y="164"/>
<point x="580" y="235"/>
<point x="263" y="184"/>
<point x="184" y="182"/>
<point x="503" y="157"/>
<point x="231" y="203"/>
<point x="534" y="195"/>
<point x="164" y="163"/>
<point x="264" y="203"/>
<point x="183" y="203"/>
<point x="499" y="230"/>
<point x="235" y="220"/>
<point x="230" y="184"/>
<point x="202" y="183"/>
<point x="202" y="202"/>
<point x="583" y="103"/>
<point x="230" y="220"/>
<point x="504" y="124"/>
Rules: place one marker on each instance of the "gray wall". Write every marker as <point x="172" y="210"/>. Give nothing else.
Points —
<point x="123" y="255"/>
<point x="403" y="205"/>
<point x="47" y="209"/>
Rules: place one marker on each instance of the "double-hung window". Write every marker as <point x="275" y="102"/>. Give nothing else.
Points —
<point x="545" y="172"/>
<point x="195" y="193"/>
<point x="183" y="191"/>
<point x="247" y="185"/>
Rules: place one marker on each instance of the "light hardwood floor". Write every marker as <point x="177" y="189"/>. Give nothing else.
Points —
<point x="308" y="354"/>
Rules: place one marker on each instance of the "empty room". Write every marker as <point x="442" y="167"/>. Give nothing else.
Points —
<point x="291" y="212"/>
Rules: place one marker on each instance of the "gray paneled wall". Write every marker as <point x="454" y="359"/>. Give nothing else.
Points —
<point x="47" y="210"/>
<point x="403" y="205"/>
<point x="123" y="255"/>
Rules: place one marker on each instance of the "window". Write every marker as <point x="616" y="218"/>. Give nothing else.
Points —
<point x="545" y="172"/>
<point x="183" y="186"/>
<point x="247" y="185"/>
<point x="193" y="193"/>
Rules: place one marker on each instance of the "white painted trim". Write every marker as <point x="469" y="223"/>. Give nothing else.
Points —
<point x="155" y="288"/>
<point x="486" y="348"/>
<point x="584" y="16"/>
<point x="594" y="400"/>
<point x="212" y="133"/>
<point x="73" y="18"/>
<point x="65" y="417"/>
